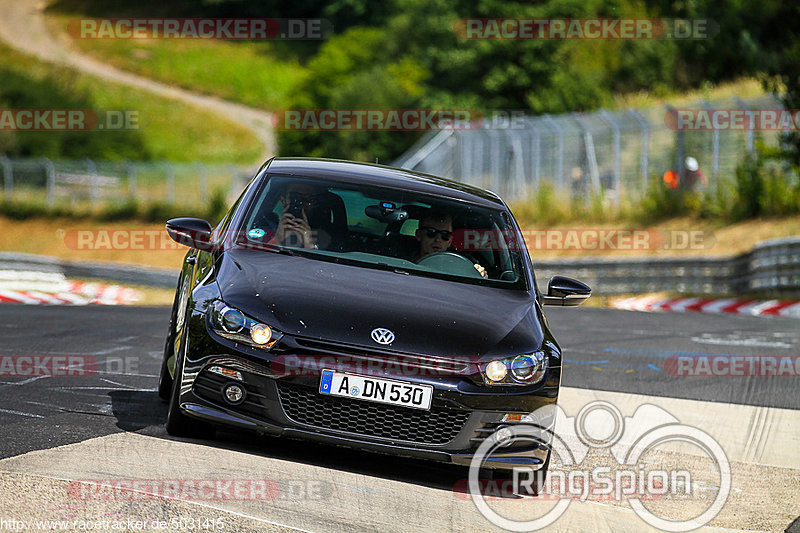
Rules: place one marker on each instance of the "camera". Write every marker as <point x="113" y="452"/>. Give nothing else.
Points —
<point x="296" y="208"/>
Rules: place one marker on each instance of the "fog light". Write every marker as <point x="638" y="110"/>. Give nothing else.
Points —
<point x="234" y="394"/>
<point x="260" y="333"/>
<point x="503" y="435"/>
<point x="496" y="370"/>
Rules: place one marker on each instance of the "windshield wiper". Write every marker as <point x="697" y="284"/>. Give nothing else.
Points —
<point x="393" y="268"/>
<point x="274" y="248"/>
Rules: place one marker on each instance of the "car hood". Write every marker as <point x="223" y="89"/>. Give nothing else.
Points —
<point x="344" y="303"/>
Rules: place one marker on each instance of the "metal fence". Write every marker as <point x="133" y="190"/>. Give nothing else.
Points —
<point x="98" y="183"/>
<point x="617" y="152"/>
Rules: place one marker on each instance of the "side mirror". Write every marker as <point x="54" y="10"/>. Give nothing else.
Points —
<point x="191" y="232"/>
<point x="566" y="292"/>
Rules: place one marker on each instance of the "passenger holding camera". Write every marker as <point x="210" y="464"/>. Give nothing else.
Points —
<point x="294" y="228"/>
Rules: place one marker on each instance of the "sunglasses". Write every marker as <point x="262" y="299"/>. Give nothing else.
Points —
<point x="432" y="232"/>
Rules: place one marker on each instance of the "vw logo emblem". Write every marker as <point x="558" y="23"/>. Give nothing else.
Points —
<point x="382" y="336"/>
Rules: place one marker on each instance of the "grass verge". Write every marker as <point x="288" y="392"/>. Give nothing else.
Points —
<point x="252" y="73"/>
<point x="138" y="242"/>
<point x="167" y="130"/>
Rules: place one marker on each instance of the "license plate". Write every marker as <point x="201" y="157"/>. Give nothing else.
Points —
<point x="376" y="389"/>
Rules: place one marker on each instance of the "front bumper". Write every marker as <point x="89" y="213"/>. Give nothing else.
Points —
<point x="462" y="415"/>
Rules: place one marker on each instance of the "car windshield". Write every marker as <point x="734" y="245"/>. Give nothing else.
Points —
<point x="384" y="228"/>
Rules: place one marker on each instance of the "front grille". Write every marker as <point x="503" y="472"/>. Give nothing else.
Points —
<point x="306" y="406"/>
<point x="445" y="365"/>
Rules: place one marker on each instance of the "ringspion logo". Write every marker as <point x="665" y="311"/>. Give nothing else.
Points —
<point x="631" y="442"/>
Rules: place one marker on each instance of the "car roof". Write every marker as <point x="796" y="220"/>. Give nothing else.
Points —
<point x="383" y="176"/>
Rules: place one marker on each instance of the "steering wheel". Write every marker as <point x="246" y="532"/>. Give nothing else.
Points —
<point x="450" y="263"/>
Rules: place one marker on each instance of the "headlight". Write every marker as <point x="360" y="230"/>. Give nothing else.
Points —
<point x="525" y="369"/>
<point x="496" y="371"/>
<point x="232" y="320"/>
<point x="260" y="334"/>
<point x="233" y="324"/>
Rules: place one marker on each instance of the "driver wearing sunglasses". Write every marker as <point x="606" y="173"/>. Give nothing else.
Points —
<point x="435" y="234"/>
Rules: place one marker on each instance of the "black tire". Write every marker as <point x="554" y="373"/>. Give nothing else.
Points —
<point x="178" y="424"/>
<point x="164" y="378"/>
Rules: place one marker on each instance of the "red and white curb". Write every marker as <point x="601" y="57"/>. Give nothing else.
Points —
<point x="73" y="293"/>
<point x="785" y="308"/>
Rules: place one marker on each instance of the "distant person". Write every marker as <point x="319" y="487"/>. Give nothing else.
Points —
<point x="577" y="183"/>
<point x="695" y="179"/>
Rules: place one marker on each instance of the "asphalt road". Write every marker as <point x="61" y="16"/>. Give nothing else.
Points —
<point x="113" y="421"/>
<point x="604" y="349"/>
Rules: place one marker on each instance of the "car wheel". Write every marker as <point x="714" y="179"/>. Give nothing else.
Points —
<point x="178" y="424"/>
<point x="165" y="378"/>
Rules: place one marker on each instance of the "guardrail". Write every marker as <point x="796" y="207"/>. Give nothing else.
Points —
<point x="771" y="269"/>
<point x="117" y="272"/>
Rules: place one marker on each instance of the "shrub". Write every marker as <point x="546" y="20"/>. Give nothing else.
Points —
<point x="217" y="205"/>
<point x="127" y="210"/>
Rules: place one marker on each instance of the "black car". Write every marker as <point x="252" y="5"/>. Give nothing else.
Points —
<point x="363" y="305"/>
